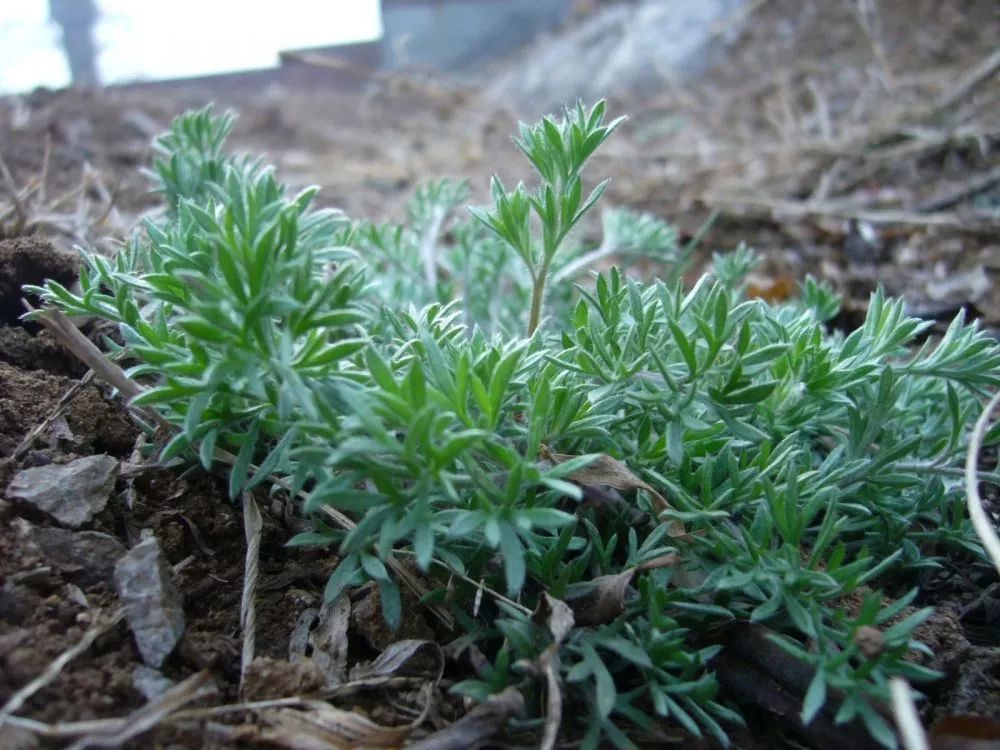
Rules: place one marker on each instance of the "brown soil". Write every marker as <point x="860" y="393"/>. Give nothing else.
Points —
<point x="368" y="150"/>
<point x="30" y="260"/>
<point x="28" y="396"/>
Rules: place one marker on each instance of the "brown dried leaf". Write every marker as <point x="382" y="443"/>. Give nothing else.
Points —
<point x="409" y="658"/>
<point x="667" y="560"/>
<point x="329" y="639"/>
<point x="324" y="727"/>
<point x="966" y="733"/>
<point x="481" y="723"/>
<point x="321" y="726"/>
<point x="601" y="600"/>
<point x="556" y="615"/>
<point x="266" y="679"/>
<point x="553" y="697"/>
<point x="610" y="472"/>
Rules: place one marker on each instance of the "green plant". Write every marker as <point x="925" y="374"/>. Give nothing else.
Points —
<point x="558" y="149"/>
<point x="378" y="367"/>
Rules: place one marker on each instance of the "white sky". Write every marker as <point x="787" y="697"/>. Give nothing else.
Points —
<point x="147" y="39"/>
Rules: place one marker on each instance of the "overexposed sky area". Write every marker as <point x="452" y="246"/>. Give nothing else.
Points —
<point x="151" y="39"/>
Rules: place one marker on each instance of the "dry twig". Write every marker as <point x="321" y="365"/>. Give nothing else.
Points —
<point x="62" y="328"/>
<point x="978" y="74"/>
<point x="980" y="521"/>
<point x="977" y="183"/>
<point x="253" y="524"/>
<point x="52" y="671"/>
<point x="801" y="209"/>
<point x="148" y="716"/>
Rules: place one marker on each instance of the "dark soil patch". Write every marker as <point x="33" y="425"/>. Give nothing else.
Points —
<point x="36" y="351"/>
<point x="46" y="610"/>
<point x="30" y="260"/>
<point x="97" y="424"/>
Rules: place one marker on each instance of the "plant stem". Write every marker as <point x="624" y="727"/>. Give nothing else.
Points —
<point x="572" y="269"/>
<point x="428" y="249"/>
<point x="537" y="293"/>
<point x="947" y="471"/>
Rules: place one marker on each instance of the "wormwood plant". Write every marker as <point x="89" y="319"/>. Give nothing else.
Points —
<point x="390" y="371"/>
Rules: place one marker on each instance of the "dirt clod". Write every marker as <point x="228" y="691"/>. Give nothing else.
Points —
<point x="30" y="260"/>
<point x="27" y="398"/>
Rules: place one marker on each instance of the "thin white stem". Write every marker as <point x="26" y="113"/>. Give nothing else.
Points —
<point x="252" y="527"/>
<point x="980" y="521"/>
<point x="428" y="246"/>
<point x="946" y="471"/>
<point x="573" y="269"/>
<point x="911" y="731"/>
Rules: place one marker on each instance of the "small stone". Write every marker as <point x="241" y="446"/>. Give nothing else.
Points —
<point x="870" y="641"/>
<point x="71" y="493"/>
<point x="88" y="556"/>
<point x="12" y="607"/>
<point x="22" y="665"/>
<point x="15" y="738"/>
<point x="36" y="458"/>
<point x="61" y="436"/>
<point x="10" y="640"/>
<point x="75" y="595"/>
<point x="40" y="579"/>
<point x="150" y="682"/>
<point x="152" y="603"/>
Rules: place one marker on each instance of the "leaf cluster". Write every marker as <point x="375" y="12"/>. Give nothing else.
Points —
<point x="379" y="368"/>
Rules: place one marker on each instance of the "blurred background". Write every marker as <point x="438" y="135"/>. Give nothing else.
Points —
<point x="54" y="43"/>
<point x="852" y="139"/>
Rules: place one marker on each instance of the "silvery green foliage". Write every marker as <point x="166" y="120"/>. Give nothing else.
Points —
<point x="383" y="368"/>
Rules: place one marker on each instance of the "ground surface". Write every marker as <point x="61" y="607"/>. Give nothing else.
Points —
<point x="815" y="141"/>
